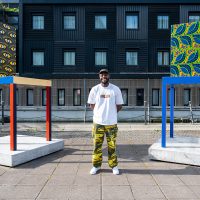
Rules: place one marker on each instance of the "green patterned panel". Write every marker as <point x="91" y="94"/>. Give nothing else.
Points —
<point x="185" y="49"/>
<point x="7" y="50"/>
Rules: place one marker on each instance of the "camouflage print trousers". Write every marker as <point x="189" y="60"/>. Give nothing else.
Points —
<point x="98" y="132"/>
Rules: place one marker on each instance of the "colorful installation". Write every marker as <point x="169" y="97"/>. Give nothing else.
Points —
<point x="185" y="49"/>
<point x="7" y="50"/>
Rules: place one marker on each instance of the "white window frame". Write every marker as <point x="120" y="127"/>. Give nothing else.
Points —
<point x="134" y="18"/>
<point x="76" y="102"/>
<point x="156" y="97"/>
<point x="35" y="60"/>
<point x="67" y="23"/>
<point x="124" y="92"/>
<point x="29" y="95"/>
<point x="163" y="22"/>
<point x="193" y="17"/>
<point x="133" y="56"/>
<point x="163" y="58"/>
<point x="186" y="91"/>
<point x="71" y="54"/>
<point x="98" y="25"/>
<point x="61" y="99"/>
<point x="100" y="58"/>
<point x="35" y="21"/>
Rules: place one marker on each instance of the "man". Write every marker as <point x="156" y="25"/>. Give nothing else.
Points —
<point x="105" y="99"/>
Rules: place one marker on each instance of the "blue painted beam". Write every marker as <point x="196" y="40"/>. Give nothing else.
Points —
<point x="182" y="80"/>
<point x="7" y="80"/>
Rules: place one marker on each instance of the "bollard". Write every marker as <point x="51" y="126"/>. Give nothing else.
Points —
<point x="85" y="110"/>
<point x="145" y="112"/>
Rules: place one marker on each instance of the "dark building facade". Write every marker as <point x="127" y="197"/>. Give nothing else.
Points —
<point x="70" y="41"/>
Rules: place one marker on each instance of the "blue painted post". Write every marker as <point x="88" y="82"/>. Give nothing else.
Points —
<point x="163" y="139"/>
<point x="171" y="111"/>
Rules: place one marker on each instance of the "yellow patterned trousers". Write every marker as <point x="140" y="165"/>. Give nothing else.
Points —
<point x="98" y="133"/>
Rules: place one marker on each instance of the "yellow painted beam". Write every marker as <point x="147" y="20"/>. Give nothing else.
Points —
<point x="31" y="81"/>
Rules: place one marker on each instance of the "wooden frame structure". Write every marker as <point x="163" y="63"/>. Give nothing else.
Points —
<point x="13" y="81"/>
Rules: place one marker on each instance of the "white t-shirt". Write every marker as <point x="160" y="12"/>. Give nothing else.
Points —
<point x="105" y="100"/>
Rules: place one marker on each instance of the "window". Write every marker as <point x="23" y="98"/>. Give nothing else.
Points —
<point x="61" y="97"/>
<point x="29" y="97"/>
<point x="77" y="97"/>
<point x="38" y="22"/>
<point x="163" y="22"/>
<point x="69" y="22"/>
<point x="13" y="20"/>
<point x="194" y="17"/>
<point x="131" y="21"/>
<point x="69" y="58"/>
<point x="17" y="97"/>
<point x="125" y="96"/>
<point x="38" y="58"/>
<point x="101" y="22"/>
<point x="163" y="58"/>
<point x="140" y="97"/>
<point x="131" y="58"/>
<point x="44" y="97"/>
<point x="168" y="97"/>
<point x="155" y="97"/>
<point x="101" y="58"/>
<point x="186" y="97"/>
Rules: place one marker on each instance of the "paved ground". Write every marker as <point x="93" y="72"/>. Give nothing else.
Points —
<point x="65" y="174"/>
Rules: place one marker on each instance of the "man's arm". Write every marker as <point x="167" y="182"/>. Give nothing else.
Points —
<point x="119" y="107"/>
<point x="92" y="106"/>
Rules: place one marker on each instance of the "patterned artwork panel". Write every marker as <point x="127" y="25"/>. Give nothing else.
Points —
<point x="185" y="49"/>
<point x="7" y="50"/>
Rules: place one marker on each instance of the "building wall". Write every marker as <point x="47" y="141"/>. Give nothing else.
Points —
<point x="147" y="40"/>
<point x="86" y="84"/>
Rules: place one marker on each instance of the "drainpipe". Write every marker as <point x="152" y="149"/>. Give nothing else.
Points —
<point x="85" y="104"/>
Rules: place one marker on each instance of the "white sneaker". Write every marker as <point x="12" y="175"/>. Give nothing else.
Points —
<point x="94" y="170"/>
<point x="115" y="170"/>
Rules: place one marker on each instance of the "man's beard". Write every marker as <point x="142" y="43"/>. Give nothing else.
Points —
<point x="105" y="81"/>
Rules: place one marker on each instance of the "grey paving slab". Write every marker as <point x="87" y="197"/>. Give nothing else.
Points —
<point x="87" y="179"/>
<point x="109" y="179"/>
<point x="19" y="192"/>
<point x="61" y="180"/>
<point x="196" y="190"/>
<point x="178" y="192"/>
<point x="117" y="193"/>
<point x="34" y="180"/>
<point x="141" y="179"/>
<point x="190" y="179"/>
<point x="59" y="192"/>
<point x="148" y="191"/>
<point x="11" y="178"/>
<point x="87" y="192"/>
<point x="167" y="179"/>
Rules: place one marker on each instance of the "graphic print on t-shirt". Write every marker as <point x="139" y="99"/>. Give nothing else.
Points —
<point x="104" y="96"/>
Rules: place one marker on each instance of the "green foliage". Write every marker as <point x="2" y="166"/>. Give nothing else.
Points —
<point x="6" y="8"/>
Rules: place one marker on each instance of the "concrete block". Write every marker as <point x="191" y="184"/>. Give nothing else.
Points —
<point x="28" y="148"/>
<point x="185" y="150"/>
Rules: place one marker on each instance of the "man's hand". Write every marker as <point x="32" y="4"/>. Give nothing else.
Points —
<point x="92" y="106"/>
<point x="119" y="107"/>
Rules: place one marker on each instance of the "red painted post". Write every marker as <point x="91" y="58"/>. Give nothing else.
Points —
<point x="48" y="113"/>
<point x="13" y="131"/>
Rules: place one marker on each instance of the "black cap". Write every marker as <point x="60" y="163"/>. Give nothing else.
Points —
<point x="103" y="71"/>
